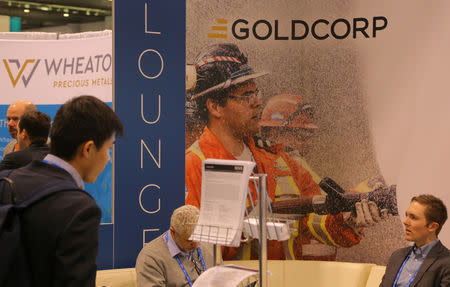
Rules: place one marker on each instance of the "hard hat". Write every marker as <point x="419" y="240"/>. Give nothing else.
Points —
<point x="217" y="67"/>
<point x="288" y="110"/>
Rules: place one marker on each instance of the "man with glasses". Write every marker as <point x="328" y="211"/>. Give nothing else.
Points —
<point x="172" y="259"/>
<point x="228" y="102"/>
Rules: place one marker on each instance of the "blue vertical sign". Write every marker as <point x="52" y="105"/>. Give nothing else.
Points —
<point x="149" y="97"/>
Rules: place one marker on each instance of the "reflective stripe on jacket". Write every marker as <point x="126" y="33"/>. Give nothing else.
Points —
<point x="284" y="177"/>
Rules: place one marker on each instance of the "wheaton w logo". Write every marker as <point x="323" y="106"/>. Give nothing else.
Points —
<point x="21" y="70"/>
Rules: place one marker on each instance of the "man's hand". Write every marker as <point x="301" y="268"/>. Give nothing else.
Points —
<point x="366" y="214"/>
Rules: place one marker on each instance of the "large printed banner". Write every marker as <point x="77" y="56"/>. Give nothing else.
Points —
<point x="370" y="79"/>
<point x="48" y="73"/>
<point x="369" y="76"/>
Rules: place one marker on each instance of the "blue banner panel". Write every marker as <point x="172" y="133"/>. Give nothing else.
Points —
<point x="149" y="54"/>
<point x="105" y="247"/>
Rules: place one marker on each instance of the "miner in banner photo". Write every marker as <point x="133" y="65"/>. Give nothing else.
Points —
<point x="227" y="100"/>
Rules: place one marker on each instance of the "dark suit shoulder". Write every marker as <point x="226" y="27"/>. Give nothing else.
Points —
<point x="37" y="174"/>
<point x="23" y="157"/>
<point x="440" y="252"/>
<point x="10" y="161"/>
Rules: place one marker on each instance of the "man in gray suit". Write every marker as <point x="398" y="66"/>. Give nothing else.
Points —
<point x="427" y="262"/>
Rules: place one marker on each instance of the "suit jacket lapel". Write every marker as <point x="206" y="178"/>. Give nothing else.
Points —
<point x="397" y="264"/>
<point x="429" y="260"/>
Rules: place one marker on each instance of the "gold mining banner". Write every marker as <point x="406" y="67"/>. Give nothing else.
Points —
<point x="356" y="91"/>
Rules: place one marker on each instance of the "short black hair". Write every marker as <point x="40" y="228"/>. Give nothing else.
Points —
<point x="37" y="125"/>
<point x="79" y="120"/>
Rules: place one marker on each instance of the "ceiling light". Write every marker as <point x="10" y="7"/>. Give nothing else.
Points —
<point x="44" y="8"/>
<point x="66" y="14"/>
<point x="26" y="10"/>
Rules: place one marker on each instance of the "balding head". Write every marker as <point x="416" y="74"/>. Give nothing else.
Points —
<point x="14" y="112"/>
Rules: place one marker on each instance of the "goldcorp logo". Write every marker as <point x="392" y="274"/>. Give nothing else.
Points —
<point x="297" y="29"/>
<point x="221" y="27"/>
<point x="66" y="67"/>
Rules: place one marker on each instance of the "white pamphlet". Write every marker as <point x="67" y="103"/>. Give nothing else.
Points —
<point x="226" y="276"/>
<point x="275" y="230"/>
<point x="224" y="193"/>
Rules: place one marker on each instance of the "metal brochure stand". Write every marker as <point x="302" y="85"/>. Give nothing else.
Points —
<point x="209" y="233"/>
<point x="262" y="207"/>
<point x="262" y="211"/>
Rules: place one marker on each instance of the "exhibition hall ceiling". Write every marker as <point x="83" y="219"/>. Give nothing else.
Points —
<point x="37" y="14"/>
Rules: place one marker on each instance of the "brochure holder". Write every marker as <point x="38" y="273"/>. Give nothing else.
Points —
<point x="262" y="208"/>
<point x="209" y="233"/>
<point x="225" y="184"/>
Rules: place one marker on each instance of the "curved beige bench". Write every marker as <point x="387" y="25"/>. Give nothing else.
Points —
<point x="125" y="277"/>
<point x="313" y="273"/>
<point x="282" y="274"/>
<point x="324" y="273"/>
<point x="375" y="276"/>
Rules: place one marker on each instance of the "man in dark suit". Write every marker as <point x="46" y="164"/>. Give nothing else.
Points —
<point x="427" y="262"/>
<point x="60" y="232"/>
<point x="32" y="137"/>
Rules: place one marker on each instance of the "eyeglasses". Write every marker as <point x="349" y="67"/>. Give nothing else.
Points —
<point x="249" y="96"/>
<point x="196" y="263"/>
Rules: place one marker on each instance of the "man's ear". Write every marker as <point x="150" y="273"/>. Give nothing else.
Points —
<point x="24" y="133"/>
<point x="172" y="232"/>
<point x="433" y="226"/>
<point x="87" y="148"/>
<point x="214" y="108"/>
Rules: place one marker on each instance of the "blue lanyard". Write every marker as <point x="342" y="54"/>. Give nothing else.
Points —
<point x="400" y="271"/>
<point x="188" y="278"/>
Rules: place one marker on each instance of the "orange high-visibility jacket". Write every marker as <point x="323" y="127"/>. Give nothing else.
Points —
<point x="284" y="174"/>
